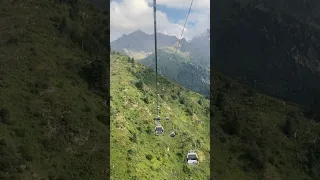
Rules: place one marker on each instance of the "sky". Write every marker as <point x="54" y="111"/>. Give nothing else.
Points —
<point x="127" y="16"/>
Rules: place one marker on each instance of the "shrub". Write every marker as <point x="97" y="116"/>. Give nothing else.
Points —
<point x="189" y="111"/>
<point x="220" y="101"/>
<point x="3" y="143"/>
<point x="103" y="118"/>
<point x="4" y="115"/>
<point x="186" y="169"/>
<point x="131" y="151"/>
<point x="288" y="128"/>
<point x="20" y="132"/>
<point x="12" y="40"/>
<point x="232" y="124"/>
<point x="139" y="84"/>
<point x="133" y="138"/>
<point x="149" y="157"/>
<point x="182" y="100"/>
<point x="149" y="130"/>
<point x="174" y="97"/>
<point x="256" y="157"/>
<point x="162" y="96"/>
<point x="146" y="100"/>
<point x="223" y="139"/>
<point x="97" y="74"/>
<point x="25" y="153"/>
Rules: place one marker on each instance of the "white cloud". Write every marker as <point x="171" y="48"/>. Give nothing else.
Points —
<point x="184" y="4"/>
<point x="127" y="16"/>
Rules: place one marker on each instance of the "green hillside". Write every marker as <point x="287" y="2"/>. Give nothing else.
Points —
<point x="135" y="151"/>
<point x="179" y="69"/>
<point x="258" y="137"/>
<point x="51" y="121"/>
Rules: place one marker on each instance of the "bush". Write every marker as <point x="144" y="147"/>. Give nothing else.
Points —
<point x="133" y="138"/>
<point x="25" y="152"/>
<point x="98" y="74"/>
<point x="146" y="100"/>
<point x="220" y="101"/>
<point x="222" y="139"/>
<point x="3" y="143"/>
<point x="20" y="132"/>
<point x="41" y="84"/>
<point x="103" y="118"/>
<point x="232" y="124"/>
<point x="149" y="157"/>
<point x="162" y="97"/>
<point x="256" y="157"/>
<point x="4" y="115"/>
<point x="174" y="97"/>
<point x="288" y="128"/>
<point x="186" y="169"/>
<point x="66" y="26"/>
<point x="12" y="40"/>
<point x="292" y="114"/>
<point x="131" y="151"/>
<point x="149" y="130"/>
<point x="189" y="111"/>
<point x="182" y="100"/>
<point x="76" y="34"/>
<point x="90" y="44"/>
<point x="139" y="84"/>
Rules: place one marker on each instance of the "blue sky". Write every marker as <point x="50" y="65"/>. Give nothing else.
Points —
<point x="127" y="16"/>
<point x="174" y="15"/>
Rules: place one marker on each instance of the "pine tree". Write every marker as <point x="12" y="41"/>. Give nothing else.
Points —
<point x="132" y="61"/>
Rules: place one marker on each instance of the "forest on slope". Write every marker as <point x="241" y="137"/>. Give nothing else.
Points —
<point x="53" y="88"/>
<point x="259" y="137"/>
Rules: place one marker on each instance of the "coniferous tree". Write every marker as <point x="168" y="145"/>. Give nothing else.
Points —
<point x="132" y="61"/>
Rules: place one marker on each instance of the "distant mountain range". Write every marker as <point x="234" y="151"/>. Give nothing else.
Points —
<point x="140" y="45"/>
<point x="187" y="63"/>
<point x="140" y="41"/>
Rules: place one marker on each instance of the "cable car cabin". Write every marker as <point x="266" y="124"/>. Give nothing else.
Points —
<point x="158" y="130"/>
<point x="192" y="158"/>
<point x="172" y="134"/>
<point x="167" y="118"/>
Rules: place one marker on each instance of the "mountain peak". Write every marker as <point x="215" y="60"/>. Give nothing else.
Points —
<point x="138" y="32"/>
<point x="206" y="33"/>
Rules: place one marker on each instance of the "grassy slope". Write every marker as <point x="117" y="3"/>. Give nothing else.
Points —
<point x="259" y="137"/>
<point x="132" y="126"/>
<point x="52" y="130"/>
